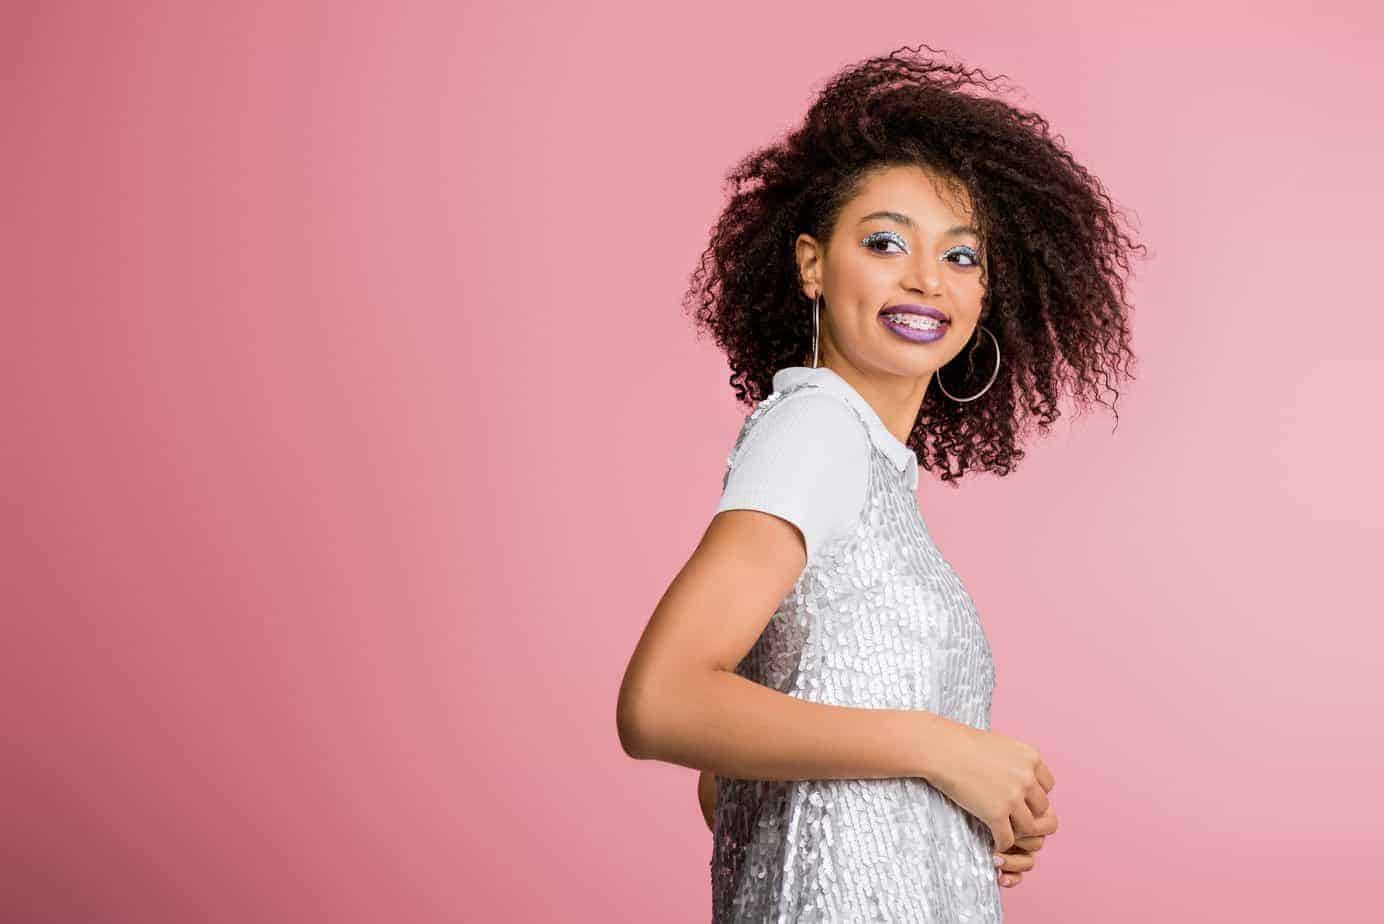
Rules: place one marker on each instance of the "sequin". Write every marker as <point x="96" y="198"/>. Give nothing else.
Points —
<point x="880" y="620"/>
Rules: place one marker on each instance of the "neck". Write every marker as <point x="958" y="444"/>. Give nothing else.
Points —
<point x="895" y="398"/>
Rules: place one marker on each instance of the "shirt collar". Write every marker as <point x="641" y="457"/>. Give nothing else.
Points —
<point x="904" y="459"/>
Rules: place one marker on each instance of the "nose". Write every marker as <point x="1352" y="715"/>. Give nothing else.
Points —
<point x="924" y="275"/>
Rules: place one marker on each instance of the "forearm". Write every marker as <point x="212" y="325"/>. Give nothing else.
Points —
<point x="718" y="721"/>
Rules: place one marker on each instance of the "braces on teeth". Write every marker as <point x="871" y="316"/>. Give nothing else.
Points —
<point x="915" y="320"/>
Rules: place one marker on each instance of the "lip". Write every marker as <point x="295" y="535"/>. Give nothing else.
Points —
<point x="925" y="310"/>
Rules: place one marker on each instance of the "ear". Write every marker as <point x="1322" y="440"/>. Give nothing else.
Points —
<point x="808" y="254"/>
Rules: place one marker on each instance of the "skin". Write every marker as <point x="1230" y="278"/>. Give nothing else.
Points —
<point x="681" y="700"/>
<point x="922" y="261"/>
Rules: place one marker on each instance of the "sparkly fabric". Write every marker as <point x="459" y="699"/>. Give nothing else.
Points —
<point x="879" y="621"/>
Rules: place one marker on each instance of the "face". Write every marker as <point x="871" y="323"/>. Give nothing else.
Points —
<point x="876" y="264"/>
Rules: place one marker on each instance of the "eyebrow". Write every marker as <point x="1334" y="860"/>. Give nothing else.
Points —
<point x="903" y="219"/>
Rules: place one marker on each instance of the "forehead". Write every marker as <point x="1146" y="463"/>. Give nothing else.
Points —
<point x="928" y="197"/>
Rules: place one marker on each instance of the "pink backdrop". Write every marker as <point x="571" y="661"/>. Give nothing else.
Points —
<point x="353" y="429"/>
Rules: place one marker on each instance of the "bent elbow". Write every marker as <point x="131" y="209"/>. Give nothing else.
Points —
<point x="631" y="724"/>
<point x="651" y="715"/>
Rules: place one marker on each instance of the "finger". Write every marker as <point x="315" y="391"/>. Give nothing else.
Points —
<point x="1022" y="819"/>
<point x="1014" y="862"/>
<point x="1044" y="824"/>
<point x="1037" y="800"/>
<point x="1029" y="843"/>
<point x="1045" y="777"/>
<point x="1003" y="834"/>
<point x="1010" y="879"/>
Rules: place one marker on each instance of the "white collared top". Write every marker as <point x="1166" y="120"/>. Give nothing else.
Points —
<point x="806" y="460"/>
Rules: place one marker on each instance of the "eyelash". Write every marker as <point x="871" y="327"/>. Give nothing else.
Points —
<point x="891" y="237"/>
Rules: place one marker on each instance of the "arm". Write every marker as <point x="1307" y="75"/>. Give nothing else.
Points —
<point x="681" y="702"/>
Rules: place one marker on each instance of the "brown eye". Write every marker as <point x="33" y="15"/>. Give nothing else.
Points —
<point x="886" y="238"/>
<point x="965" y="252"/>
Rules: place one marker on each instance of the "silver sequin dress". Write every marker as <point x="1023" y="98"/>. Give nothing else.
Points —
<point x="880" y="621"/>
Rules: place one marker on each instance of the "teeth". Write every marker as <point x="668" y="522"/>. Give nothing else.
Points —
<point x="921" y="322"/>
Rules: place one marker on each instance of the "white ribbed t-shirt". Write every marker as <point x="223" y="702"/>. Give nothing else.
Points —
<point x="806" y="460"/>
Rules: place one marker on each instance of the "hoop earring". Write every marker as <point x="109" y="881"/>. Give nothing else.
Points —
<point x="816" y="313"/>
<point x="993" y="375"/>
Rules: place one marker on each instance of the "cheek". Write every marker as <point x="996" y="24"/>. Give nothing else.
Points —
<point x="871" y="287"/>
<point x="971" y="299"/>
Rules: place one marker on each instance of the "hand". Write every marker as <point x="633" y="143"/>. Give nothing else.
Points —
<point x="706" y="798"/>
<point x="1019" y="858"/>
<point x="998" y="779"/>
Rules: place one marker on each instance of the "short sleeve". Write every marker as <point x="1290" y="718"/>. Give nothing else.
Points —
<point x="806" y="460"/>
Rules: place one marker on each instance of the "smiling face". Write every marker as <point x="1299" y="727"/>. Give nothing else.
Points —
<point x="923" y="254"/>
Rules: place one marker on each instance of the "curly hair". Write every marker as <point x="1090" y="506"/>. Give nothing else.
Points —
<point x="1054" y="257"/>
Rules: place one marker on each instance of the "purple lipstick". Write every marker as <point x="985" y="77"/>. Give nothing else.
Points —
<point x="915" y="323"/>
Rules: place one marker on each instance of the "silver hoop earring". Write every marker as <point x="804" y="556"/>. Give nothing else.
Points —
<point x="816" y="314"/>
<point x="993" y="375"/>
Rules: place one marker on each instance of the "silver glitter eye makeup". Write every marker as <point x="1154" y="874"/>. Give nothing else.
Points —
<point x="975" y="259"/>
<point x="888" y="237"/>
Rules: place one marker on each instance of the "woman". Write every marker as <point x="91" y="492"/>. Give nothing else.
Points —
<point x="903" y="282"/>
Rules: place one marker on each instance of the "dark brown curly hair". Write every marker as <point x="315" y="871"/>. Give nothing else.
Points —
<point x="1053" y="267"/>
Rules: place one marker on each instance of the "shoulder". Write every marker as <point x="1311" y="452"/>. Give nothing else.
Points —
<point x="804" y="458"/>
<point x="802" y="424"/>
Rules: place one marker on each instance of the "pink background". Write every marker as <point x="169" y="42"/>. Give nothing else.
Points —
<point x="353" y="429"/>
